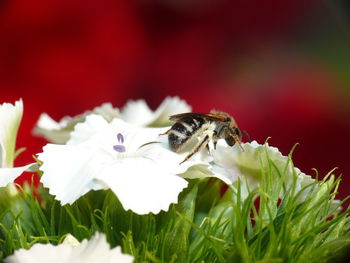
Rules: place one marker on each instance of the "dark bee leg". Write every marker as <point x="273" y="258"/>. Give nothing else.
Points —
<point x="198" y="147"/>
<point x="165" y="133"/>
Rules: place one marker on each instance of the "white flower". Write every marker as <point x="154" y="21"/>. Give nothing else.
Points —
<point x="135" y="112"/>
<point x="94" y="250"/>
<point x="103" y="155"/>
<point x="10" y="119"/>
<point x="231" y="163"/>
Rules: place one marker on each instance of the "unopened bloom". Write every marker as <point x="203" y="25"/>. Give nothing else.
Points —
<point x="118" y="156"/>
<point x="136" y="112"/>
<point x="94" y="250"/>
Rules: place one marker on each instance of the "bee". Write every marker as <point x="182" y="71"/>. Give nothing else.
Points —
<point x="206" y="126"/>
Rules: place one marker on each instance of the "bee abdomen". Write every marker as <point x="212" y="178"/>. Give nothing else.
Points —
<point x="182" y="131"/>
<point x="176" y="140"/>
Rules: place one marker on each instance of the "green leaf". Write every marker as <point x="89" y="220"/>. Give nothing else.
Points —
<point x="177" y="240"/>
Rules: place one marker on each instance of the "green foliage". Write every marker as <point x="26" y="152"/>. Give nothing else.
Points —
<point x="272" y="223"/>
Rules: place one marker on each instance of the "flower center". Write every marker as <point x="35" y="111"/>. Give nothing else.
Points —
<point x="120" y="148"/>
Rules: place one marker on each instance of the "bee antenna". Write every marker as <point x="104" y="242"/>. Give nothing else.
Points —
<point x="246" y="135"/>
<point x="238" y="141"/>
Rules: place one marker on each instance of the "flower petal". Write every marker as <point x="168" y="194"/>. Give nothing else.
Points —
<point x="142" y="186"/>
<point x="107" y="111"/>
<point x="136" y="137"/>
<point x="195" y="167"/>
<point x="51" y="130"/>
<point x="59" y="132"/>
<point x="69" y="170"/>
<point x="95" y="250"/>
<point x="10" y="119"/>
<point x="138" y="113"/>
<point x="248" y="162"/>
<point x="93" y="124"/>
<point x="228" y="176"/>
<point x="8" y="175"/>
<point x="252" y="161"/>
<point x="98" y="131"/>
<point x="170" y="106"/>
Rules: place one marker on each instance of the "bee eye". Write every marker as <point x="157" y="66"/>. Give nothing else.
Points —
<point x="230" y="140"/>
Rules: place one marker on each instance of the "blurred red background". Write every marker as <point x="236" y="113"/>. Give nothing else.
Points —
<point x="281" y="68"/>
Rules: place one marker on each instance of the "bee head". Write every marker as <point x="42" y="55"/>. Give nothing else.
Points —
<point x="233" y="136"/>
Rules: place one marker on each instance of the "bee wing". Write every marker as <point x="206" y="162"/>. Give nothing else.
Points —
<point x="187" y="115"/>
<point x="191" y="115"/>
<point x="216" y="117"/>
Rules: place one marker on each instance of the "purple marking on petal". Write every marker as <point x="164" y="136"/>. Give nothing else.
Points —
<point x="120" y="138"/>
<point x="119" y="148"/>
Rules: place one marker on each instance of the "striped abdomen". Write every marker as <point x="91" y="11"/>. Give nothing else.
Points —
<point x="182" y="131"/>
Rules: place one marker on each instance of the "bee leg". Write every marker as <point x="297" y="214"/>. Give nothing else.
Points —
<point x="198" y="147"/>
<point x="238" y="141"/>
<point x="214" y="143"/>
<point x="165" y="133"/>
